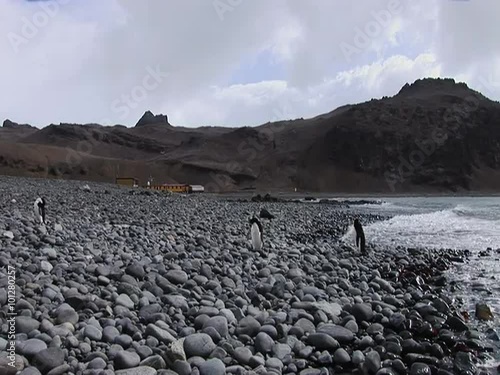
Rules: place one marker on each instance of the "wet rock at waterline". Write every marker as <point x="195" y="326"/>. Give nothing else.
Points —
<point x="483" y="312"/>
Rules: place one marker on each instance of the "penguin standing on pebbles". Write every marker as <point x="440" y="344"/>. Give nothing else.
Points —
<point x="39" y="208"/>
<point x="256" y="233"/>
<point x="360" y="236"/>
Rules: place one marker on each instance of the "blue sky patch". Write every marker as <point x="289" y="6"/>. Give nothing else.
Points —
<point x="258" y="68"/>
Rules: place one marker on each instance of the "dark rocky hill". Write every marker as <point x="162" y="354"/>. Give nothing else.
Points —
<point x="435" y="135"/>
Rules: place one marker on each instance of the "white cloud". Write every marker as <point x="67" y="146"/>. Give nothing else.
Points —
<point x="260" y="101"/>
<point x="91" y="53"/>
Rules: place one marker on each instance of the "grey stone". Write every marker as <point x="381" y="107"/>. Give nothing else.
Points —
<point x="31" y="347"/>
<point x="281" y="350"/>
<point x="46" y="266"/>
<point x="142" y="370"/>
<point x="97" y="363"/>
<point x="213" y="366"/>
<point x="219" y="323"/>
<point x="109" y="333"/>
<point x="464" y="362"/>
<point x="420" y="369"/>
<point x="341" y="356"/>
<point x="372" y="361"/>
<point x="126" y="359"/>
<point x="198" y="344"/>
<point x="362" y="312"/>
<point x="339" y="333"/>
<point x="155" y="361"/>
<point x="124" y="300"/>
<point x="161" y="334"/>
<point x="60" y="370"/>
<point x="30" y="371"/>
<point x="248" y="326"/>
<point x="242" y="355"/>
<point x="25" y="324"/>
<point x="322" y="341"/>
<point x="66" y="314"/>
<point x="93" y="333"/>
<point x="48" y="359"/>
<point x="306" y="325"/>
<point x="263" y="343"/>
<point x="177" y="276"/>
<point x="357" y="357"/>
<point x="182" y="367"/>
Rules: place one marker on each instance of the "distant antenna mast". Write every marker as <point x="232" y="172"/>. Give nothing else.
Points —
<point x="47" y="169"/>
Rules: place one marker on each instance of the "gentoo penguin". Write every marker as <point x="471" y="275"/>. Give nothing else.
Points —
<point x="265" y="214"/>
<point x="39" y="208"/>
<point x="256" y="233"/>
<point x="360" y="236"/>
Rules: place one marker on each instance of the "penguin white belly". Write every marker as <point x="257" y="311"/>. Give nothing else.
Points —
<point x="350" y="236"/>
<point x="36" y="209"/>
<point x="256" y="240"/>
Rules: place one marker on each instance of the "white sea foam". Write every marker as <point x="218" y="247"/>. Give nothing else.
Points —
<point x="457" y="223"/>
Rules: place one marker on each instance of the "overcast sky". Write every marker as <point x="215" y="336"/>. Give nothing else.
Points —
<point x="232" y="62"/>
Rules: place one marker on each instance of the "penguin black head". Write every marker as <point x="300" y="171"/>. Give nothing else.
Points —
<point x="257" y="221"/>
<point x="357" y="224"/>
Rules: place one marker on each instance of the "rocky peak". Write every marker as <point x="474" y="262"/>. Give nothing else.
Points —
<point x="432" y="85"/>
<point x="12" y="125"/>
<point x="149" y="118"/>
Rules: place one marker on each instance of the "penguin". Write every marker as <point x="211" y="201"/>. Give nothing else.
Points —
<point x="256" y="233"/>
<point x="39" y="207"/>
<point x="360" y="236"/>
<point x="265" y="214"/>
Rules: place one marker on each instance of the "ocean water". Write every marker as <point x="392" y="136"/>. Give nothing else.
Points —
<point x="438" y="222"/>
<point x="471" y="223"/>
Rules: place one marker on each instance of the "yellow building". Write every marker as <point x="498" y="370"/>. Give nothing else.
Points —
<point x="174" y="188"/>
<point x="177" y="188"/>
<point x="127" y="181"/>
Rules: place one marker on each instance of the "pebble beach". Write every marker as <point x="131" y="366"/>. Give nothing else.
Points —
<point x="134" y="282"/>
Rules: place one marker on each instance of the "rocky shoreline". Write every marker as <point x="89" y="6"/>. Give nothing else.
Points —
<point x="144" y="284"/>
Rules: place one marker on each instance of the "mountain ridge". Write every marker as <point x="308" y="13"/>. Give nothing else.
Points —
<point x="434" y="135"/>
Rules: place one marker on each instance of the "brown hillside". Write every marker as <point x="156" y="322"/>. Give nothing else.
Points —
<point x="434" y="135"/>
